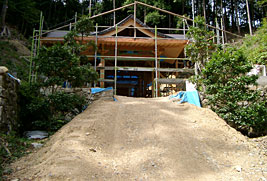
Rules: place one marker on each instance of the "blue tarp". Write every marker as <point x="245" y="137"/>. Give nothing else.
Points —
<point x="191" y="97"/>
<point x="18" y="80"/>
<point x="96" y="90"/>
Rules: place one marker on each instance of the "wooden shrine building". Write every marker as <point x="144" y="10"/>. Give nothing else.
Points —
<point x="135" y="59"/>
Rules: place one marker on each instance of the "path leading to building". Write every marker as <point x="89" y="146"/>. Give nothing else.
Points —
<point x="145" y="139"/>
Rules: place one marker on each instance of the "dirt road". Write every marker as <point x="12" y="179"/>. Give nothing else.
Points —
<point x="145" y="139"/>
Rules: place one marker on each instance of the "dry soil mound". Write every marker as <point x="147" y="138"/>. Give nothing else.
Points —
<point x="145" y="139"/>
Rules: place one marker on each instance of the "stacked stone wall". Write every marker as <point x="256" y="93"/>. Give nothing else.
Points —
<point x="8" y="101"/>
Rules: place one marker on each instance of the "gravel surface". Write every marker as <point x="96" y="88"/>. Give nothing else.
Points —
<point x="146" y="139"/>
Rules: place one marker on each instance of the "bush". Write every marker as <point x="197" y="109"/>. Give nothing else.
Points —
<point x="11" y="148"/>
<point x="229" y="95"/>
<point x="34" y="107"/>
<point x="255" y="47"/>
<point x="41" y="112"/>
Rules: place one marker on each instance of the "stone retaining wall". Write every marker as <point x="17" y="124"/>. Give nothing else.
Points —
<point x="8" y="101"/>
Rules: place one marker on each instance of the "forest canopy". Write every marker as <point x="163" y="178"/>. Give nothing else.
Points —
<point x="24" y="14"/>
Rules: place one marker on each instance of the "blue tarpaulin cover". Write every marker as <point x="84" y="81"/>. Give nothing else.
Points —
<point x="191" y="97"/>
<point x="96" y="90"/>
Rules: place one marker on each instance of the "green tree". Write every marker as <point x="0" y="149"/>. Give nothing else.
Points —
<point x="255" y="47"/>
<point x="201" y="46"/>
<point x="227" y="86"/>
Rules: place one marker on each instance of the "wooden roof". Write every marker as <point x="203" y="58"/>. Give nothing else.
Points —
<point x="168" y="45"/>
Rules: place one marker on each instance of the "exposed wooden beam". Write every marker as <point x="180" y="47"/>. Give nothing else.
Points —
<point x="171" y="81"/>
<point x="105" y="80"/>
<point x="149" y="69"/>
<point x="107" y="12"/>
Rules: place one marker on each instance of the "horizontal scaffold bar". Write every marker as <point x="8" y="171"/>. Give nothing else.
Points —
<point x="105" y="80"/>
<point x="171" y="81"/>
<point x="136" y="58"/>
<point x="102" y="37"/>
<point x="131" y="27"/>
<point x="148" y="69"/>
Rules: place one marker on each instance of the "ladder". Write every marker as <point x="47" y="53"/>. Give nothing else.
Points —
<point x="35" y="50"/>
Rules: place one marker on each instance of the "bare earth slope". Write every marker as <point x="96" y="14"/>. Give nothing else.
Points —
<point x="145" y="139"/>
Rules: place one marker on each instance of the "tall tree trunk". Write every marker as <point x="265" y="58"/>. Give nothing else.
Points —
<point x="223" y="20"/>
<point x="3" y="13"/>
<point x="237" y="17"/>
<point x="214" y="14"/>
<point x="5" y="31"/>
<point x="233" y="15"/>
<point x="249" y="21"/>
<point x="204" y="10"/>
<point x="90" y="8"/>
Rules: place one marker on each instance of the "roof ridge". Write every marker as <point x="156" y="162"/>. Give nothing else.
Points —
<point x="131" y="16"/>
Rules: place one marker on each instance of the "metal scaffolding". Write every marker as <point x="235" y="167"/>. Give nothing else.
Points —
<point x="156" y="69"/>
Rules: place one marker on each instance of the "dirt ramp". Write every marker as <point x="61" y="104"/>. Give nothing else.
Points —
<point x="144" y="139"/>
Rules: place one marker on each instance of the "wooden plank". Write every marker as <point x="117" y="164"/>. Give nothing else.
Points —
<point x="105" y="80"/>
<point x="150" y="69"/>
<point x="107" y="12"/>
<point x="171" y="81"/>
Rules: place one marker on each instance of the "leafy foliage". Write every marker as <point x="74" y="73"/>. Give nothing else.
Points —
<point x="154" y="18"/>
<point x="44" y="106"/>
<point x="255" y="47"/>
<point x="201" y="48"/>
<point x="84" y="25"/>
<point x="227" y="86"/>
<point x="11" y="148"/>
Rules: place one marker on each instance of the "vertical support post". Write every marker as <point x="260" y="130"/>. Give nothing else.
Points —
<point x="70" y="27"/>
<point x="193" y="12"/>
<point x="184" y="28"/>
<point x="102" y="73"/>
<point x="217" y="32"/>
<point x="156" y="62"/>
<point x="116" y="53"/>
<point x="222" y="31"/>
<point x="153" y="84"/>
<point x="75" y="20"/>
<point x="39" y="37"/>
<point x="30" y="72"/>
<point x="176" y="66"/>
<point x="114" y="13"/>
<point x="39" y="33"/>
<point x="134" y="19"/>
<point x="96" y="31"/>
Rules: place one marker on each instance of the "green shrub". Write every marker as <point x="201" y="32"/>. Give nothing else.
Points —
<point x="46" y="112"/>
<point x="255" y="47"/>
<point x="227" y="86"/>
<point x="33" y="107"/>
<point x="12" y="147"/>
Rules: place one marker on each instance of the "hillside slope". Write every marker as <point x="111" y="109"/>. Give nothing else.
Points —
<point x="11" y="52"/>
<point x="145" y="139"/>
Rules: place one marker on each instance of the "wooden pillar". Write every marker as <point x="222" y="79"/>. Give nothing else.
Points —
<point x="176" y="66"/>
<point x="102" y="73"/>
<point x="158" y="76"/>
<point x="153" y="84"/>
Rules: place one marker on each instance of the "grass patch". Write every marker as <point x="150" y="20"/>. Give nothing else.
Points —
<point x="12" y="147"/>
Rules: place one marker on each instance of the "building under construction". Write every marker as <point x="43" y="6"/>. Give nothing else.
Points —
<point x="134" y="59"/>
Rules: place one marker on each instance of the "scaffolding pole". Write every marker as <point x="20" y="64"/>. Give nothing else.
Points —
<point x="222" y="27"/>
<point x="134" y="19"/>
<point x="116" y="52"/>
<point x="30" y="72"/>
<point x="96" y="30"/>
<point x="156" y="62"/>
<point x="136" y="58"/>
